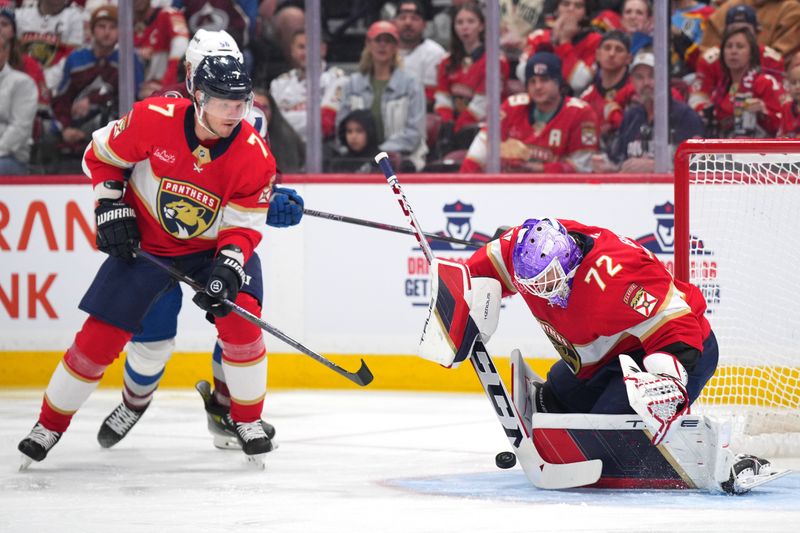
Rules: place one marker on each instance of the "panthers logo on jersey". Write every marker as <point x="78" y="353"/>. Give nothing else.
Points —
<point x="565" y="349"/>
<point x="185" y="210"/>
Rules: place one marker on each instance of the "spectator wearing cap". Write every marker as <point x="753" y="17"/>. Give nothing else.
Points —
<point x="541" y="130"/>
<point x="748" y="101"/>
<point x="778" y="24"/>
<point x="632" y="149"/>
<point x="709" y="74"/>
<point x="611" y="91"/>
<point x="460" y="97"/>
<point x="289" y="90"/>
<point x="88" y="96"/>
<point x="572" y="38"/>
<point x="17" y="111"/>
<point x="421" y="56"/>
<point x="395" y="98"/>
<point x="20" y="60"/>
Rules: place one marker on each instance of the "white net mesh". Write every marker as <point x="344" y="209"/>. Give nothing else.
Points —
<point x="744" y="211"/>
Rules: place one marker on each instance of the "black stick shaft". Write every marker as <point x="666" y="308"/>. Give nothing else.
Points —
<point x="363" y="376"/>
<point x="388" y="227"/>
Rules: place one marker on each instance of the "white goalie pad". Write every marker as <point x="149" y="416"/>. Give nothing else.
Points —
<point x="460" y="309"/>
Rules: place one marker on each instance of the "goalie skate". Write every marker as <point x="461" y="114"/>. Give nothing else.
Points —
<point x="37" y="444"/>
<point x="748" y="472"/>
<point x="224" y="438"/>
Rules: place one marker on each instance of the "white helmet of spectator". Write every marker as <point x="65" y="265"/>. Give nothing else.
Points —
<point x="206" y="43"/>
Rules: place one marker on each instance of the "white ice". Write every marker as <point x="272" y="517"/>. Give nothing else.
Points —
<point x="348" y="461"/>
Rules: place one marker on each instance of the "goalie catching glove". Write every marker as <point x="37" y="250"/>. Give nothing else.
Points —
<point x="658" y="394"/>
<point x="461" y="308"/>
<point x="227" y="277"/>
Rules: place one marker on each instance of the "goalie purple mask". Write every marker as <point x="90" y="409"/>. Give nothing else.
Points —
<point x="545" y="258"/>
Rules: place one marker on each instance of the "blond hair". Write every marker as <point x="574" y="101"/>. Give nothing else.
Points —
<point x="366" y="65"/>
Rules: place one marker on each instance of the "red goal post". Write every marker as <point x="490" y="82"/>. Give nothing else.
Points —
<point x="737" y="210"/>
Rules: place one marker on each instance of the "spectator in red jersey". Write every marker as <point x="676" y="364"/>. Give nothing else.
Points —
<point x="748" y="102"/>
<point x="460" y="97"/>
<point x="19" y="60"/>
<point x="611" y="90"/>
<point x="88" y="94"/>
<point x="572" y="39"/>
<point x="160" y="38"/>
<point x="541" y="130"/>
<point x="790" y="113"/>
<point x="709" y="76"/>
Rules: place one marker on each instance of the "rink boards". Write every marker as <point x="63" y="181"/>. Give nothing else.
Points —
<point x="343" y="290"/>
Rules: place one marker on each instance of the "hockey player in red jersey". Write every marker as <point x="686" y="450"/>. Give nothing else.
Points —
<point x="149" y="350"/>
<point x="542" y="131"/>
<point x="602" y="300"/>
<point x="197" y="196"/>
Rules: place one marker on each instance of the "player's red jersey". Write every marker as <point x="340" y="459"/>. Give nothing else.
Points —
<point x="609" y="104"/>
<point x="565" y="144"/>
<point x="161" y="40"/>
<point x="623" y="299"/>
<point x="577" y="56"/>
<point x="188" y="197"/>
<point x="463" y="91"/>
<point x="709" y="75"/>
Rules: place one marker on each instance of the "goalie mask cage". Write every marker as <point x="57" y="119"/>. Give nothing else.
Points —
<point x="737" y="214"/>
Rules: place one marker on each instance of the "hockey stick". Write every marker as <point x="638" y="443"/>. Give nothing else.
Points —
<point x="541" y="473"/>
<point x="363" y="376"/>
<point x="388" y="227"/>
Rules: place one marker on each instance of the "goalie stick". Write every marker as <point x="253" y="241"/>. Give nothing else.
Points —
<point x="541" y="474"/>
<point x="363" y="376"/>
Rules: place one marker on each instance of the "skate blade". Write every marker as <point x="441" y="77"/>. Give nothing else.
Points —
<point x="226" y="443"/>
<point x="755" y="481"/>
<point x="25" y="462"/>
<point x="257" y="461"/>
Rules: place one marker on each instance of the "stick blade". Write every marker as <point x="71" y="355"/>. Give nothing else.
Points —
<point x="363" y="375"/>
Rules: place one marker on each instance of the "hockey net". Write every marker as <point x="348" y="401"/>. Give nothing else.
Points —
<point x="737" y="214"/>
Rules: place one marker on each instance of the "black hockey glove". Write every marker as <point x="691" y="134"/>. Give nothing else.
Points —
<point x="117" y="232"/>
<point x="227" y="277"/>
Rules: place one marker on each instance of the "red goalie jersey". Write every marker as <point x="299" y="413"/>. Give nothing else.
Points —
<point x="188" y="197"/>
<point x="622" y="299"/>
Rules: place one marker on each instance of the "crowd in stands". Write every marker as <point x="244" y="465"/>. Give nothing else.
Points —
<point x="408" y="77"/>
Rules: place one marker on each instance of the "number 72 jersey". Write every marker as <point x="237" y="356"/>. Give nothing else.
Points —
<point x="623" y="300"/>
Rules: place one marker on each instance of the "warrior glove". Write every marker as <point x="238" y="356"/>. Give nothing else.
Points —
<point x="227" y="277"/>
<point x="117" y="232"/>
<point x="285" y="208"/>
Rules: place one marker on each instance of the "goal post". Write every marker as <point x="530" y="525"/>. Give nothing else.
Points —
<point x="737" y="212"/>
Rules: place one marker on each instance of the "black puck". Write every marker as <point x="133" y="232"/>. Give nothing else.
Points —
<point x="505" y="459"/>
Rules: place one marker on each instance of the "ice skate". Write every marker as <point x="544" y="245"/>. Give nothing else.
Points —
<point x="118" y="424"/>
<point x="253" y="440"/>
<point x="224" y="438"/>
<point x="37" y="444"/>
<point x="749" y="471"/>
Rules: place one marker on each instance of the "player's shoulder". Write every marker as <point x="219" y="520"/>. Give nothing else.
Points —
<point x="250" y="145"/>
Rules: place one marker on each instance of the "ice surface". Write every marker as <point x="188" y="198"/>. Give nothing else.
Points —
<point x="348" y="461"/>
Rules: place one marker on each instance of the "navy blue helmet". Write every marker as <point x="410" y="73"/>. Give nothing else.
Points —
<point x="223" y="77"/>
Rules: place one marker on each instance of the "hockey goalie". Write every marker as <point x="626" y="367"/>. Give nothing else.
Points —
<point x="635" y="352"/>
